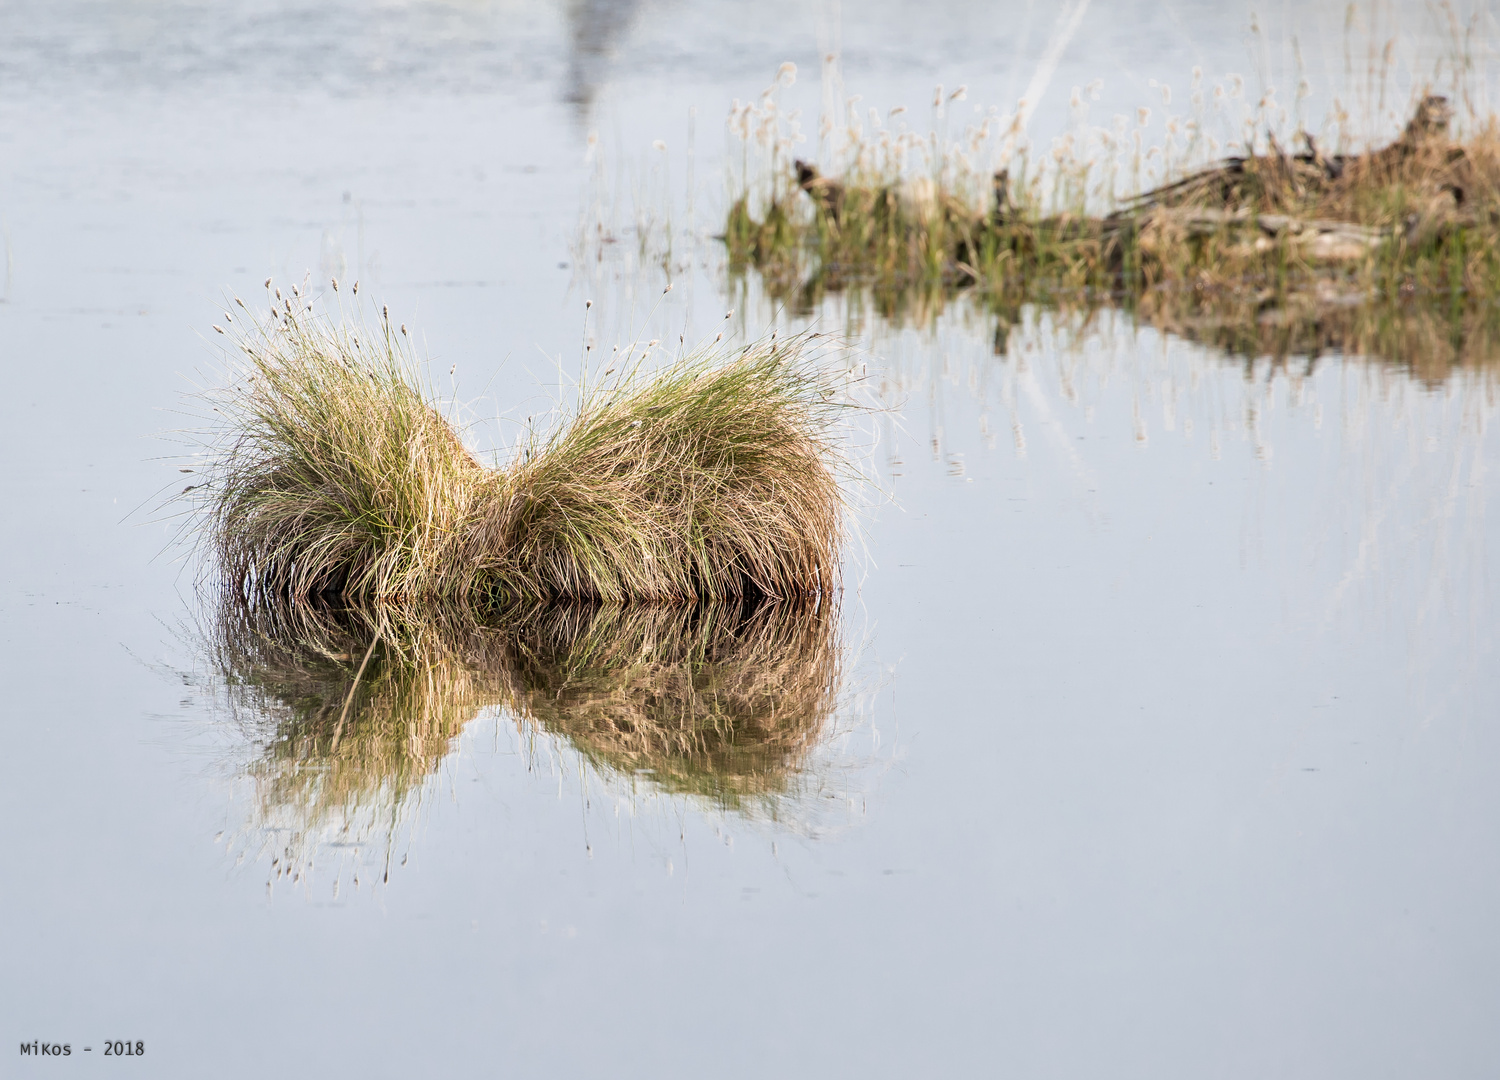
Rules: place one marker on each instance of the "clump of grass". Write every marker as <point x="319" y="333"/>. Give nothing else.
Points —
<point x="331" y="475"/>
<point x="716" y="476"/>
<point x="709" y="479"/>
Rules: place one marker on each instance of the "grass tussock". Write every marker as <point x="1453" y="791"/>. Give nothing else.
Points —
<point x="352" y="718"/>
<point x="714" y="477"/>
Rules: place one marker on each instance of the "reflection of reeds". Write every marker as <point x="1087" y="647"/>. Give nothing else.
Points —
<point x="1428" y="341"/>
<point x="351" y="721"/>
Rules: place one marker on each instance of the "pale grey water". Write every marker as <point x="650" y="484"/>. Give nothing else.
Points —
<point x="1169" y="742"/>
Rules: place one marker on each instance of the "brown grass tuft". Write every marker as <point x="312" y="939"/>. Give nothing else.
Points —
<point x="716" y="477"/>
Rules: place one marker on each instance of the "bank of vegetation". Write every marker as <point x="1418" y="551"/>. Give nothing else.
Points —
<point x="1282" y="246"/>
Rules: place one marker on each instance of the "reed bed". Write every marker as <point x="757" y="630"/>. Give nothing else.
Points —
<point x="714" y="476"/>
<point x="1284" y="229"/>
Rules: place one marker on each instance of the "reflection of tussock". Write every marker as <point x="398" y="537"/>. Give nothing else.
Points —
<point x="349" y="724"/>
<point x="709" y="702"/>
<point x="346" y="731"/>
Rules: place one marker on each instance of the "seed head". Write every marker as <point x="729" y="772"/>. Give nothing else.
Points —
<point x="335" y="284"/>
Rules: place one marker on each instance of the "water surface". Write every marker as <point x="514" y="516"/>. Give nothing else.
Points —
<point x="1152" y="736"/>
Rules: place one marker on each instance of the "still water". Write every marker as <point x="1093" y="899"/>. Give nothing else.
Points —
<point x="1153" y="736"/>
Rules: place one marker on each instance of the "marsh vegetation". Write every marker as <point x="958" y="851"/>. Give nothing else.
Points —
<point x="706" y="476"/>
<point x="1271" y="242"/>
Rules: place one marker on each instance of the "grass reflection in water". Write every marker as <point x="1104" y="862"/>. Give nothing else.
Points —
<point x="349" y="722"/>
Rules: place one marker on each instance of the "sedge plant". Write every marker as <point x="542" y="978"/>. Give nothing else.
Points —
<point x="718" y="475"/>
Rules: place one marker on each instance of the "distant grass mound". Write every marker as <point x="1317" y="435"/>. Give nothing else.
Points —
<point x="332" y="478"/>
<point x="1270" y="250"/>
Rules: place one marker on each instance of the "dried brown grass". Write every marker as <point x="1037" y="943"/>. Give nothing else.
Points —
<point x="717" y="476"/>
